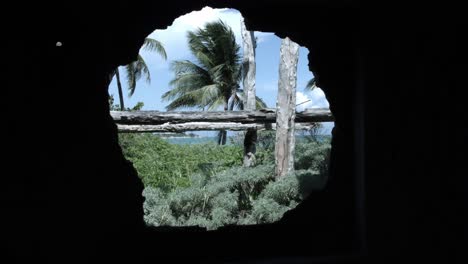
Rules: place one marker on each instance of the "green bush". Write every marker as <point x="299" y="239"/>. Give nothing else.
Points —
<point x="205" y="184"/>
<point x="311" y="155"/>
<point x="238" y="195"/>
<point x="167" y="166"/>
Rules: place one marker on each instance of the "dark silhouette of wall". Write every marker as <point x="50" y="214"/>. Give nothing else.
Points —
<point x="394" y="77"/>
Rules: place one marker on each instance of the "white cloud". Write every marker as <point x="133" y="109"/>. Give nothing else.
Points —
<point x="303" y="100"/>
<point x="316" y="97"/>
<point x="174" y="37"/>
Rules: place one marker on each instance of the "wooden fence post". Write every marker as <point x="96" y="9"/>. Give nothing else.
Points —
<point x="286" y="108"/>
<point x="248" y="75"/>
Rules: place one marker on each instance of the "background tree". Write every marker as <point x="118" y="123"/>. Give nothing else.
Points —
<point x="116" y="107"/>
<point x="212" y="80"/>
<point x="137" y="69"/>
<point x="312" y="134"/>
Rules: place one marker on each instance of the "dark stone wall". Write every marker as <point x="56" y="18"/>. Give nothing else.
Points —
<point x="394" y="77"/>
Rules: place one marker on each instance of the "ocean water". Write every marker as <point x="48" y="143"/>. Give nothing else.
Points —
<point x="192" y="140"/>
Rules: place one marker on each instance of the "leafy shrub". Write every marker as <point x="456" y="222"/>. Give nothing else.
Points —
<point x="267" y="210"/>
<point x="205" y="185"/>
<point x="312" y="155"/>
<point x="265" y="145"/>
<point x="316" y="147"/>
<point x="167" y="166"/>
<point x="238" y="195"/>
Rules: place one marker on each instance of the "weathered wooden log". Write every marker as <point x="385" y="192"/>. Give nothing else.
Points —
<point x="267" y="115"/>
<point x="315" y="114"/>
<point x="248" y="74"/>
<point x="248" y="67"/>
<point x="203" y="126"/>
<point x="286" y="108"/>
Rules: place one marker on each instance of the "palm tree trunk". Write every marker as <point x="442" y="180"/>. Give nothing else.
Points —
<point x="231" y="107"/>
<point x="223" y="133"/>
<point x="119" y="87"/>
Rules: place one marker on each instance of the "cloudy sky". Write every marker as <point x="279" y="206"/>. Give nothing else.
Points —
<point x="267" y="58"/>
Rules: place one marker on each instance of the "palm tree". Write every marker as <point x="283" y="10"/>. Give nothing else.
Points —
<point x="213" y="79"/>
<point x="311" y="85"/>
<point x="135" y="70"/>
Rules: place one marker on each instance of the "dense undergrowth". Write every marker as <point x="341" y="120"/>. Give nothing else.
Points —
<point x="206" y="185"/>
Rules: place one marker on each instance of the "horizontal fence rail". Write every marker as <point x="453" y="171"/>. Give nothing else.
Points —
<point x="204" y="126"/>
<point x="205" y="120"/>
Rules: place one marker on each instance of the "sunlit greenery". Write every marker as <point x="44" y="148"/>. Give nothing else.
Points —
<point x="206" y="185"/>
<point x="238" y="195"/>
<point x="166" y="166"/>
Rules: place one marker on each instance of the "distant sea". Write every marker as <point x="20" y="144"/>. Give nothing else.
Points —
<point x="191" y="140"/>
<point x="201" y="140"/>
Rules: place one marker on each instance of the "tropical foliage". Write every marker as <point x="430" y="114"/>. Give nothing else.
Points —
<point x="238" y="195"/>
<point x="116" y="107"/>
<point x="167" y="166"/>
<point x="311" y="84"/>
<point x="212" y="79"/>
<point x="138" y="69"/>
<point x="206" y="185"/>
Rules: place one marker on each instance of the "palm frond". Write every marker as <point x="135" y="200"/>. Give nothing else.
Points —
<point x="184" y="84"/>
<point x="143" y="68"/>
<point x="184" y="66"/>
<point x="189" y="77"/>
<point x="259" y="103"/>
<point x="131" y="72"/>
<point x="156" y="46"/>
<point x="184" y="101"/>
<point x="235" y="101"/>
<point x="238" y="101"/>
<point x="212" y="78"/>
<point x="208" y="94"/>
<point x="135" y="71"/>
<point x="204" y="59"/>
<point x="215" y="104"/>
<point x="202" y="97"/>
<point x="311" y="85"/>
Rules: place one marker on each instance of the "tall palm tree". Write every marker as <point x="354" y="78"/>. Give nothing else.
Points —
<point x="137" y="69"/>
<point x="213" y="79"/>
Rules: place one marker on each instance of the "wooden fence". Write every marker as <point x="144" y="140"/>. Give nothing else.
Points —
<point x="284" y="118"/>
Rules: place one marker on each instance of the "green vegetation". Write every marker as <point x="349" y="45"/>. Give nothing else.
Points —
<point x="167" y="166"/>
<point x="117" y="107"/>
<point x="213" y="79"/>
<point x="206" y="185"/>
<point x="137" y="69"/>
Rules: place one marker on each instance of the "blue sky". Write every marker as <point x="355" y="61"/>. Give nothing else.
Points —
<point x="174" y="40"/>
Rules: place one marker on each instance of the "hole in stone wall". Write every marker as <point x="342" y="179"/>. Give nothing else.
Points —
<point x="190" y="179"/>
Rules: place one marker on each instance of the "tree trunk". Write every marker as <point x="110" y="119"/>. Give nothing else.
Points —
<point x="286" y="108"/>
<point x="223" y="133"/>
<point x="248" y="75"/>
<point x="119" y="87"/>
